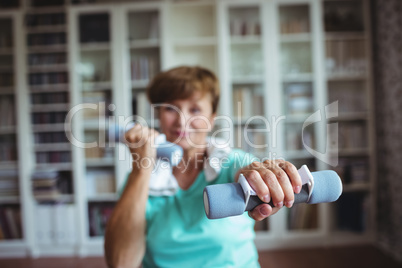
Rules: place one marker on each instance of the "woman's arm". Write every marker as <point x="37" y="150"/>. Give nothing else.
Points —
<point x="125" y="232"/>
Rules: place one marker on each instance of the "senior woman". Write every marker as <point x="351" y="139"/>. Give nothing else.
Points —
<point x="159" y="220"/>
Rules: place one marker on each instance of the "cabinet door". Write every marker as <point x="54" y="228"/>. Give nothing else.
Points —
<point x="245" y="71"/>
<point x="246" y="78"/>
<point x="191" y="35"/>
<point x="96" y="92"/>
<point x="347" y="67"/>
<point x="145" y="54"/>
<point x="297" y="73"/>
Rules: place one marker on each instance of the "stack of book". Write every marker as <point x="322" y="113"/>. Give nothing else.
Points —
<point x="8" y="183"/>
<point x="44" y="184"/>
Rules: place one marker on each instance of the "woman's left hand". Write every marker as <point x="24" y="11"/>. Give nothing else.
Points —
<point x="272" y="179"/>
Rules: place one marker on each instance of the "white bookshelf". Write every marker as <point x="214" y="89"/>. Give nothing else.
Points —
<point x="278" y="55"/>
<point x="15" y="246"/>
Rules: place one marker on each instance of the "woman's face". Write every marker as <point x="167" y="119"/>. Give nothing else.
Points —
<point x="187" y="122"/>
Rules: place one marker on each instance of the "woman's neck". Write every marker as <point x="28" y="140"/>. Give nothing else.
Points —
<point x="188" y="169"/>
<point x="192" y="160"/>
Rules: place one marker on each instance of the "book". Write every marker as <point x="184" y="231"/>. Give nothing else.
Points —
<point x="243" y="102"/>
<point x="100" y="182"/>
<point x="10" y="222"/>
<point x="11" y="218"/>
<point x="49" y="184"/>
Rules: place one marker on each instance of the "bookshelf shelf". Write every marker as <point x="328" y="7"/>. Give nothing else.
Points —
<point x="298" y="77"/>
<point x="241" y="121"/>
<point x="49" y="88"/>
<point x="9" y="200"/>
<point x="98" y="46"/>
<point x="96" y="86"/>
<point x="46" y="10"/>
<point x="6" y="68"/>
<point x="46" y="29"/>
<point x="298" y="154"/>
<point x="95" y="124"/>
<point x="7" y="130"/>
<point x="6" y="90"/>
<point x="354" y="152"/>
<point x="245" y="40"/>
<point x="96" y="240"/>
<point x="48" y="147"/>
<point x="63" y="198"/>
<point x="144" y="43"/>
<point x="247" y="79"/>
<point x="6" y="243"/>
<point x="297" y="118"/>
<point x="103" y="198"/>
<point x="48" y="68"/>
<point x="47" y="48"/>
<point x="356" y="187"/>
<point x="340" y="36"/>
<point x="50" y="107"/>
<point x="139" y="84"/>
<point x="346" y="77"/>
<point x="6" y="51"/>
<point x="6" y="165"/>
<point x="296" y="38"/>
<point x="195" y="41"/>
<point x="56" y="166"/>
<point x="100" y="162"/>
<point x="350" y="116"/>
<point x="48" y="127"/>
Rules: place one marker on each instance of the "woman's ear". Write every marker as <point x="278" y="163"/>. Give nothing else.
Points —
<point x="212" y="120"/>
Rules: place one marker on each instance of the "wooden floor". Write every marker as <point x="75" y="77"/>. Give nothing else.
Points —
<point x="344" y="257"/>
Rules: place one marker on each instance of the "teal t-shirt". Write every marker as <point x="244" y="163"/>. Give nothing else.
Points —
<point x="180" y="235"/>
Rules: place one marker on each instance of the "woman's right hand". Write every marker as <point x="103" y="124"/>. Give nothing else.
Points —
<point x="140" y="140"/>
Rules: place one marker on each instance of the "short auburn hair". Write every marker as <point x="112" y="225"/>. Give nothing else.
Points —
<point x="181" y="83"/>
